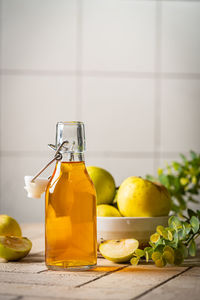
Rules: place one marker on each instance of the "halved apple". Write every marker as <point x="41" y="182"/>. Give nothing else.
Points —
<point x="14" y="248"/>
<point x="119" y="250"/>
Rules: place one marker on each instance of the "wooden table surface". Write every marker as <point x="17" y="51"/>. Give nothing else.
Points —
<point x="29" y="279"/>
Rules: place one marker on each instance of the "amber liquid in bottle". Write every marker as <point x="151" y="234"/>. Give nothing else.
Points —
<point x="70" y="233"/>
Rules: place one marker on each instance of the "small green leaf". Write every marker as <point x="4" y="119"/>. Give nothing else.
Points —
<point x="175" y="237"/>
<point x="182" y="234"/>
<point x="184" y="181"/>
<point x="169" y="249"/>
<point x="178" y="259"/>
<point x="174" y="222"/>
<point x="160" y="229"/>
<point x="134" y="261"/>
<point x="183" y="249"/>
<point x="194" y="180"/>
<point x="147" y="256"/>
<point x="175" y="165"/>
<point x="156" y="255"/>
<point x="192" y="248"/>
<point x="152" y="244"/>
<point x="139" y="252"/>
<point x="195" y="224"/>
<point x="160" y="171"/>
<point x="170" y="235"/>
<point x="183" y="157"/>
<point x="193" y="155"/>
<point x="159" y="248"/>
<point x="149" y="250"/>
<point x="160" y="262"/>
<point x="187" y="227"/>
<point x="169" y="257"/>
<point x="155" y="238"/>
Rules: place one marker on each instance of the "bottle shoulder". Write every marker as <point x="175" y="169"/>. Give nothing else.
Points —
<point x="73" y="174"/>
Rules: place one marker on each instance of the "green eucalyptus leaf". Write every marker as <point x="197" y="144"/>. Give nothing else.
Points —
<point x="159" y="248"/>
<point x="183" y="157"/>
<point x="139" y="252"/>
<point x="156" y="255"/>
<point x="184" y="181"/>
<point x="182" y="234"/>
<point x="134" y="261"/>
<point x="175" y="238"/>
<point x="183" y="249"/>
<point x="161" y="262"/>
<point x="192" y="248"/>
<point x="170" y="235"/>
<point x="176" y="165"/>
<point x="174" y="222"/>
<point x="187" y="227"/>
<point x="164" y="179"/>
<point x="154" y="238"/>
<point x="178" y="257"/>
<point x="169" y="257"/>
<point x="149" y="250"/>
<point x="193" y="155"/>
<point x="169" y="249"/>
<point x="195" y="224"/>
<point x="152" y="244"/>
<point x="160" y="229"/>
<point x="147" y="256"/>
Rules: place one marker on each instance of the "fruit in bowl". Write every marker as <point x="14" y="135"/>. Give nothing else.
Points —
<point x="104" y="184"/>
<point x="138" y="197"/>
<point x="105" y="210"/>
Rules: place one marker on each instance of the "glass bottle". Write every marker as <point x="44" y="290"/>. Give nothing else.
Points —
<point x="70" y="210"/>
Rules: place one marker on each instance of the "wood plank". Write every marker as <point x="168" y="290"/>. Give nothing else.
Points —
<point x="7" y="297"/>
<point x="183" y="287"/>
<point x="22" y="267"/>
<point x="130" y="282"/>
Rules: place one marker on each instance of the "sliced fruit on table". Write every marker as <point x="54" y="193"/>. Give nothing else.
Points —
<point x="14" y="248"/>
<point x="105" y="210"/>
<point x="119" y="250"/>
<point x="9" y="226"/>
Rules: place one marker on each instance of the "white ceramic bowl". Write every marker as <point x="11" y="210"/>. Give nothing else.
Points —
<point x="139" y="228"/>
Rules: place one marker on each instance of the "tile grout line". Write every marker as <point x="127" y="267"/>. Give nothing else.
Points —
<point x="1" y="6"/>
<point x="79" y="61"/>
<point x="100" y="74"/>
<point x="101" y="276"/>
<point x="157" y="108"/>
<point x="160" y="284"/>
<point x="96" y="154"/>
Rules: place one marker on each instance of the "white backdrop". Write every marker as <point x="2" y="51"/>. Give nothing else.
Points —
<point x="129" y="69"/>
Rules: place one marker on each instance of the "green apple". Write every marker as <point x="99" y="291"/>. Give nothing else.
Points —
<point x="9" y="226"/>
<point x="14" y="248"/>
<point x="138" y="197"/>
<point x="106" y="210"/>
<point x="118" y="250"/>
<point x="104" y="184"/>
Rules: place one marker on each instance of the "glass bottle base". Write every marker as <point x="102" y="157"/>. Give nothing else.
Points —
<point x="68" y="267"/>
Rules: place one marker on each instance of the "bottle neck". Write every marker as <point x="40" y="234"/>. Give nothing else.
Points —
<point x="71" y="157"/>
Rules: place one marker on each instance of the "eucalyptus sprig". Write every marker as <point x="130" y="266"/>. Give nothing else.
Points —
<point x="182" y="179"/>
<point x="172" y="244"/>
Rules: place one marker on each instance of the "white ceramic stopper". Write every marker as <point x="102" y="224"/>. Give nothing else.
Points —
<point x="37" y="188"/>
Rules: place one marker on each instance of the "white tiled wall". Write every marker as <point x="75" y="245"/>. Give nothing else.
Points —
<point x="130" y="69"/>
